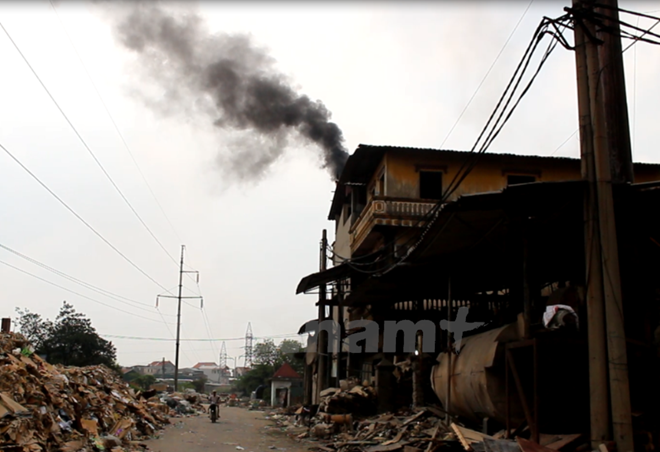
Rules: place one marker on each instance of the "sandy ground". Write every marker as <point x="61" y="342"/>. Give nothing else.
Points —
<point x="237" y="429"/>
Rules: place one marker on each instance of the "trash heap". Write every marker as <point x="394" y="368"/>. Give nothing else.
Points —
<point x="359" y="400"/>
<point x="422" y="430"/>
<point x="47" y="408"/>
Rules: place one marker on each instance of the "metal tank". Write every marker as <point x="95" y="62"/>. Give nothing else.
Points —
<point x="478" y="377"/>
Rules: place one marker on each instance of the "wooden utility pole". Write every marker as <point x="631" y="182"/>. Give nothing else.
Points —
<point x="606" y="160"/>
<point x="178" y="316"/>
<point x="322" y="341"/>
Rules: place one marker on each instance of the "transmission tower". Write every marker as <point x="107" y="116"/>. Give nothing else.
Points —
<point x="223" y="357"/>
<point x="248" y="346"/>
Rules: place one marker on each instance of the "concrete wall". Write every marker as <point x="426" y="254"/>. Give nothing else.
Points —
<point x="402" y="169"/>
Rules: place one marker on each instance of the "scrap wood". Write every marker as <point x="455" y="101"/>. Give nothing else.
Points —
<point x="530" y="446"/>
<point x="9" y="406"/>
<point x="47" y="408"/>
<point x="414" y="417"/>
<point x="561" y="441"/>
<point x="500" y="445"/>
<point x="319" y="446"/>
<point x="389" y="448"/>
<point x="468" y="437"/>
<point x="397" y="438"/>
<point x="411" y="449"/>
<point x="433" y="437"/>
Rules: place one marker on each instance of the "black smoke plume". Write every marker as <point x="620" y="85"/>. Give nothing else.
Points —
<point x="231" y="81"/>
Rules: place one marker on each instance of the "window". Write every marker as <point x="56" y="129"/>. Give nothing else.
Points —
<point x="515" y="179"/>
<point x="430" y="184"/>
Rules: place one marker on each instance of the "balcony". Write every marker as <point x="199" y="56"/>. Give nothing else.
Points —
<point x="384" y="211"/>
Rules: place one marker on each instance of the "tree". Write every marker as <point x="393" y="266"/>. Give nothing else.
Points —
<point x="70" y="340"/>
<point x="33" y="327"/>
<point x="256" y="377"/>
<point x="199" y="384"/>
<point x="266" y="353"/>
<point x="145" y="381"/>
<point x="287" y="350"/>
<point x="268" y="357"/>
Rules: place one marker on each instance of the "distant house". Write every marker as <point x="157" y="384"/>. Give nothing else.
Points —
<point x="240" y="371"/>
<point x="140" y="369"/>
<point x="157" y="368"/>
<point x="285" y="387"/>
<point x="191" y="373"/>
<point x="214" y="373"/>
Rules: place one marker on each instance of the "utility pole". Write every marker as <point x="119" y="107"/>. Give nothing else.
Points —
<point x="163" y="368"/>
<point x="322" y="341"/>
<point x="178" y="315"/>
<point x="606" y="160"/>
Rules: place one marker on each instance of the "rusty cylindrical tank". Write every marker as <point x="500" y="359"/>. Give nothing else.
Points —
<point x="477" y="379"/>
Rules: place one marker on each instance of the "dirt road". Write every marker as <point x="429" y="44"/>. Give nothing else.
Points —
<point x="237" y="428"/>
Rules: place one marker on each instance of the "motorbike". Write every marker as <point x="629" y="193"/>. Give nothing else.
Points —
<point x="214" y="413"/>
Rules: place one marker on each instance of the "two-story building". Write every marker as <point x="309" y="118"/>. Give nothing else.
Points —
<point x="214" y="373"/>
<point x="418" y="238"/>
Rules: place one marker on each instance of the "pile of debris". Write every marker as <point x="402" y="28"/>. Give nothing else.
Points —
<point x="424" y="430"/>
<point x="45" y="407"/>
<point x="355" y="399"/>
<point x="187" y="403"/>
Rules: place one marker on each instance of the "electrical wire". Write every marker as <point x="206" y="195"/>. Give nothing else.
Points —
<point x="142" y="338"/>
<point x="78" y="294"/>
<point x="487" y="73"/>
<point x="114" y="123"/>
<point x="84" y="143"/>
<point x="89" y="286"/>
<point x="89" y="226"/>
<point x="470" y="162"/>
<point x="565" y="141"/>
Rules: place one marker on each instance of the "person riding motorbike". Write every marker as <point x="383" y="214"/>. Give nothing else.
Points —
<point x="215" y="401"/>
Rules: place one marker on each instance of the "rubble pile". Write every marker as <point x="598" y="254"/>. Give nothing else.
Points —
<point x="45" y="407"/>
<point x="358" y="400"/>
<point x="423" y="430"/>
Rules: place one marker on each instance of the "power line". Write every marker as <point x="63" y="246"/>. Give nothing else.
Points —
<point x="487" y="73"/>
<point x="98" y="234"/>
<point x="77" y="293"/>
<point x="492" y="129"/>
<point x="172" y="334"/>
<point x="565" y="141"/>
<point x="141" y="338"/>
<point x="84" y="143"/>
<point x="89" y="286"/>
<point x="114" y="123"/>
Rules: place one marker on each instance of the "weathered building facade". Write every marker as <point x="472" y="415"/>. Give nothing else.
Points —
<point x="504" y="245"/>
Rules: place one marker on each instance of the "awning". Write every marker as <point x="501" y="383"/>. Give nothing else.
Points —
<point x="316" y="279"/>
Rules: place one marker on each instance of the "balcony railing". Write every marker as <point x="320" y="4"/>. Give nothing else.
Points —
<point x="387" y="212"/>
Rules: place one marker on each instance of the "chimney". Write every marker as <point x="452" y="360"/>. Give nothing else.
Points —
<point x="6" y="325"/>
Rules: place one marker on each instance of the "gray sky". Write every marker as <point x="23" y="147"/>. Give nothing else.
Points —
<point x="391" y="73"/>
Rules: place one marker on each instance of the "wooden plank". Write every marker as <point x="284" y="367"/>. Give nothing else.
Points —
<point x="397" y="438"/>
<point x="468" y="437"/>
<point x="414" y="417"/>
<point x="530" y="446"/>
<point x="563" y="441"/>
<point x="500" y="445"/>
<point x="390" y="448"/>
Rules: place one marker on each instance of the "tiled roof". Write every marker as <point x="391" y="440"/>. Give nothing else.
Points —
<point x="286" y="371"/>
<point x="198" y="365"/>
